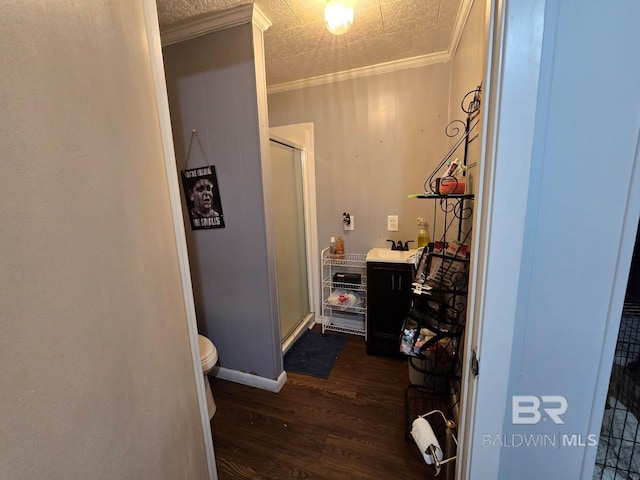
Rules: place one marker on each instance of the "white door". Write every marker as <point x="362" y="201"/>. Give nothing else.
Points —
<point x="562" y="104"/>
<point x="503" y="98"/>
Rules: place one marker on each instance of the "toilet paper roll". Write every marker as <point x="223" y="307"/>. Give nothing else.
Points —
<point x="424" y="437"/>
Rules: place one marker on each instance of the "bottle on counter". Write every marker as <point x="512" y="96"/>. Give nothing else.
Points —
<point x="332" y="246"/>
<point x="339" y="249"/>
<point x="423" y="233"/>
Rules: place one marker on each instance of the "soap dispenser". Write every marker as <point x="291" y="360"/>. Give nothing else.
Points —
<point x="423" y="233"/>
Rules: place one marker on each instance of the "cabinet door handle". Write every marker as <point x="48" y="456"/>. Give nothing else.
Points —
<point x="399" y="283"/>
<point x="393" y="282"/>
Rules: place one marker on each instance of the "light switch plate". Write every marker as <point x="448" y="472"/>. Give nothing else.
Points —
<point x="392" y="223"/>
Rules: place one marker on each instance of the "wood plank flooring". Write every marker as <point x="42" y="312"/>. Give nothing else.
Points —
<point x="350" y="426"/>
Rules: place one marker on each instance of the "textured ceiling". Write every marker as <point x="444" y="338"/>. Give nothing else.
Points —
<point x="298" y="45"/>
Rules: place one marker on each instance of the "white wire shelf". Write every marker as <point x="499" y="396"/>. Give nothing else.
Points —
<point x="344" y="323"/>
<point x="339" y="318"/>
<point x="357" y="287"/>
<point x="358" y="260"/>
<point x="360" y="309"/>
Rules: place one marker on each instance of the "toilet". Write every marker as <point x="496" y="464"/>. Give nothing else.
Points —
<point x="209" y="358"/>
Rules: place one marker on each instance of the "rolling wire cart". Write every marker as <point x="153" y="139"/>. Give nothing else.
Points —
<point x="344" y="293"/>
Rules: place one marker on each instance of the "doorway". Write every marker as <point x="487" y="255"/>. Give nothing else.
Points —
<point x="291" y="237"/>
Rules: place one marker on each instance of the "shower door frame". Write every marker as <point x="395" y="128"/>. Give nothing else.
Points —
<point x="300" y="136"/>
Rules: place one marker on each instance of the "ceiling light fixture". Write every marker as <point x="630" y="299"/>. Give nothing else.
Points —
<point x="338" y="16"/>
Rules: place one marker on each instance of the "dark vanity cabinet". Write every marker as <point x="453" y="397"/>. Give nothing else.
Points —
<point x="388" y="297"/>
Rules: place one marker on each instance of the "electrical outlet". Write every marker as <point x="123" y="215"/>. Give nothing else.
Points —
<point x="392" y="223"/>
<point x="351" y="225"/>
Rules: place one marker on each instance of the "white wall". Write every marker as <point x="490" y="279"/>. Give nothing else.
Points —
<point x="467" y="72"/>
<point x="376" y="140"/>
<point x="97" y="378"/>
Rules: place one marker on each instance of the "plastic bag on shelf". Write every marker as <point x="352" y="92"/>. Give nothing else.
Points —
<point x="344" y="298"/>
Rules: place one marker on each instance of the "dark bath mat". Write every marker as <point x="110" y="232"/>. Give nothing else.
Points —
<point x="314" y="354"/>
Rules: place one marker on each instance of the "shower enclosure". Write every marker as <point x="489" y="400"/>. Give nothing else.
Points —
<point x="289" y="227"/>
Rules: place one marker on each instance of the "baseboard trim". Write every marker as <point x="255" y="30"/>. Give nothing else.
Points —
<point x="250" y="379"/>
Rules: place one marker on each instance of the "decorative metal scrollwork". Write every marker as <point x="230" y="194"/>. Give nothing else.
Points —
<point x="462" y="130"/>
<point x="452" y="129"/>
<point x="474" y="103"/>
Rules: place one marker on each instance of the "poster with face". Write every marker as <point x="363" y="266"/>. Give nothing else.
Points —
<point x="203" y="198"/>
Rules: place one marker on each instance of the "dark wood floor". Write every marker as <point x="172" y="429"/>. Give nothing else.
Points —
<point x="349" y="426"/>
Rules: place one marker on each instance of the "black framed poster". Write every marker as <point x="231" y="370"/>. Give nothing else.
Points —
<point x="203" y="198"/>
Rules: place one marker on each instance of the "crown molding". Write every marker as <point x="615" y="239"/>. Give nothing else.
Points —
<point x="213" y="22"/>
<point x="380" y="68"/>
<point x="249" y="13"/>
<point x="458" y="28"/>
<point x="260" y="20"/>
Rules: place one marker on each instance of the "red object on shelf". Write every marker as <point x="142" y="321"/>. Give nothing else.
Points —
<point x="451" y="185"/>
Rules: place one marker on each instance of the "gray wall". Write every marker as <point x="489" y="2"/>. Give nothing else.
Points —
<point x="97" y="379"/>
<point x="211" y="82"/>
<point x="376" y="140"/>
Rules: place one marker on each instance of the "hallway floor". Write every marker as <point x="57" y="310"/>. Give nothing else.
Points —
<point x="349" y="426"/>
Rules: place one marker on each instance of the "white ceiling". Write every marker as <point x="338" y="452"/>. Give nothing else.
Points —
<point x="298" y="45"/>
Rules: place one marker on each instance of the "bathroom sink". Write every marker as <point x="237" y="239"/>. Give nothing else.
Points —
<point x="390" y="256"/>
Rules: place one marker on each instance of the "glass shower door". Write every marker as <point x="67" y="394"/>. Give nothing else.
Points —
<point x="289" y="226"/>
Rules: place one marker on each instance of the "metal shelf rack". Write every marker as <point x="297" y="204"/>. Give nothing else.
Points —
<point x="343" y="318"/>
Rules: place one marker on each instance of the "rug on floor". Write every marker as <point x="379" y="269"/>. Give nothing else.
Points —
<point x="314" y="354"/>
